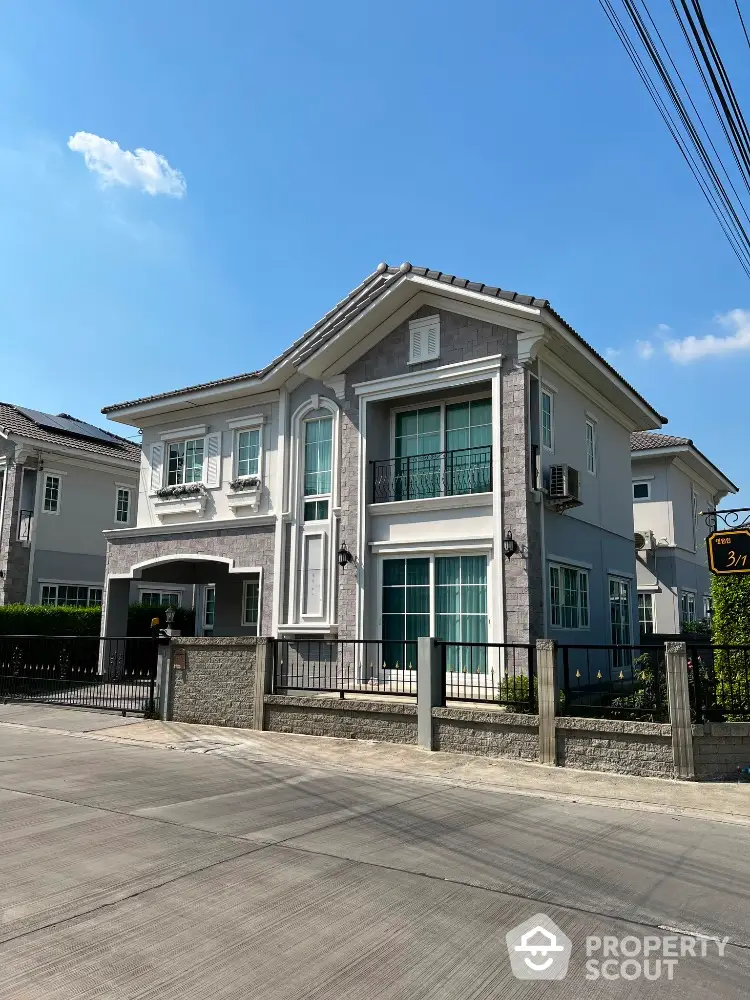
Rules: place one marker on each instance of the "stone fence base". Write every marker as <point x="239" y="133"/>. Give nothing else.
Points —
<point x="227" y="682"/>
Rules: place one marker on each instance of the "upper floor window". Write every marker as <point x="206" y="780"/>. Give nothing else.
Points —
<point x="548" y="409"/>
<point x="52" y="494"/>
<point x="642" y="490"/>
<point x="185" y="462"/>
<point x="591" y="447"/>
<point x="248" y="453"/>
<point x="122" y="511"/>
<point x="568" y="597"/>
<point x="694" y="510"/>
<point x="318" y="456"/>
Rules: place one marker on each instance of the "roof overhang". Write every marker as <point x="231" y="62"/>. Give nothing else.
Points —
<point x="694" y="462"/>
<point x="372" y="311"/>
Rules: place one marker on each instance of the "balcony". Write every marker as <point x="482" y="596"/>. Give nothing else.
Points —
<point x="441" y="474"/>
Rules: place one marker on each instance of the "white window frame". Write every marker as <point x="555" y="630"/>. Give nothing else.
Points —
<point x="438" y="553"/>
<point x="628" y="583"/>
<point x="707" y="606"/>
<point x="121" y="488"/>
<point x="650" y="595"/>
<point x="236" y="452"/>
<point x="689" y="594"/>
<point x="694" y="516"/>
<point x="549" y="392"/>
<point x="206" y="627"/>
<point x="185" y="442"/>
<point x="591" y="457"/>
<point x="582" y="571"/>
<point x="419" y="330"/>
<point x="56" y="584"/>
<point x="257" y="577"/>
<point x="641" y="482"/>
<point x="442" y="405"/>
<point x="161" y="591"/>
<point x="51" y="474"/>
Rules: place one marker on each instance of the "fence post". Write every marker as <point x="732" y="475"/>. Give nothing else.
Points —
<point x="264" y="664"/>
<point x="163" y="671"/>
<point x="679" y="710"/>
<point x="430" y="688"/>
<point x="546" y="674"/>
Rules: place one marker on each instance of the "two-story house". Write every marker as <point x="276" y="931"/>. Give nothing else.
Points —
<point x="62" y="483"/>
<point x="434" y="456"/>
<point x="673" y="482"/>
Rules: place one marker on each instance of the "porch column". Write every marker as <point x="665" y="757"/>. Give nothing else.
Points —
<point x="115" y="610"/>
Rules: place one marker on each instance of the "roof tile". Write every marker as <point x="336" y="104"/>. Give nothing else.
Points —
<point x="18" y="424"/>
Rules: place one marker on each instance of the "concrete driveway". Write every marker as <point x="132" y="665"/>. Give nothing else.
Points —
<point x="133" y="871"/>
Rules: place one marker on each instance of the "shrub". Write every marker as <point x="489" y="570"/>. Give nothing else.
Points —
<point x="32" y="619"/>
<point x="141" y="615"/>
<point x="514" y="691"/>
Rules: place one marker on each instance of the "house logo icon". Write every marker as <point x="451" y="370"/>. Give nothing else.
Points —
<point x="538" y="949"/>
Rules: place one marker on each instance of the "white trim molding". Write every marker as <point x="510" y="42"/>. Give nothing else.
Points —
<point x="483" y="544"/>
<point x="460" y="373"/>
<point x="199" y="430"/>
<point x="431" y="503"/>
<point x="249" y="420"/>
<point x="186" y="527"/>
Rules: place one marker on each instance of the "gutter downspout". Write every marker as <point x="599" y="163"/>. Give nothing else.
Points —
<point x="32" y="554"/>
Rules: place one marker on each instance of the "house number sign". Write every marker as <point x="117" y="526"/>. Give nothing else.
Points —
<point x="729" y="552"/>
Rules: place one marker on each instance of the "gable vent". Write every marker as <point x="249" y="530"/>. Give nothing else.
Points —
<point x="424" y="339"/>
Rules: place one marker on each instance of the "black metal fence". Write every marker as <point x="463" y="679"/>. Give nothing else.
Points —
<point x="613" y="682"/>
<point x="346" y="666"/>
<point x="719" y="680"/>
<point x="503" y="674"/>
<point x="443" y="473"/>
<point x="80" y="671"/>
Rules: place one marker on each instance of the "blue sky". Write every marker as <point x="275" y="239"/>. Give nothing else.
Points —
<point x="302" y="144"/>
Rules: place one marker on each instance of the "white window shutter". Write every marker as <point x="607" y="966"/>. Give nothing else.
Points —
<point x="212" y="460"/>
<point x="157" y="465"/>
<point x="416" y="345"/>
<point x="433" y="343"/>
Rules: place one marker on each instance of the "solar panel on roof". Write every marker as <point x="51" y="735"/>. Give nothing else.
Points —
<point x="67" y="425"/>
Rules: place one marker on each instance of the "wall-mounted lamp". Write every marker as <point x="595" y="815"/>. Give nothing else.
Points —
<point x="344" y="556"/>
<point x="510" y="545"/>
<point x="169" y="615"/>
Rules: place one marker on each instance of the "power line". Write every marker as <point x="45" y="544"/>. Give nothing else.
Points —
<point x="742" y="21"/>
<point x="646" y="46"/>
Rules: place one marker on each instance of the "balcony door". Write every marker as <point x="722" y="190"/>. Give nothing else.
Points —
<point x="418" y="471"/>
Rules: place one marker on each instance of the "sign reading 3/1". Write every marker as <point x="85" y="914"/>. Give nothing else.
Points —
<point x="729" y="551"/>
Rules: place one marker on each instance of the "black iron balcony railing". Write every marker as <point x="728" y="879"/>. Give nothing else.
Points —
<point x="441" y="474"/>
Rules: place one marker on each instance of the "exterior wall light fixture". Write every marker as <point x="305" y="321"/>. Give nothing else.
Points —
<point x="344" y="556"/>
<point x="510" y="545"/>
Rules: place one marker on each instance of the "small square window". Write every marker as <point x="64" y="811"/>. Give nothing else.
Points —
<point x="316" y="510"/>
<point x="641" y="491"/>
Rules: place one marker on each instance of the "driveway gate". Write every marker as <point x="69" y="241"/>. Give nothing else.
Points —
<point x="80" y="671"/>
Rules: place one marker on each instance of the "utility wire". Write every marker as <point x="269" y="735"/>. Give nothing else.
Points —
<point x="666" y="87"/>
<point x="742" y="21"/>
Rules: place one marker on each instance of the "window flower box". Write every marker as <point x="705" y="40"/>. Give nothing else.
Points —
<point x="244" y="492"/>
<point x="186" y="498"/>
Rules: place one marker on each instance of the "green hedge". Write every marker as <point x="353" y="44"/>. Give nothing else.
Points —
<point x="730" y="622"/>
<point x="31" y="619"/>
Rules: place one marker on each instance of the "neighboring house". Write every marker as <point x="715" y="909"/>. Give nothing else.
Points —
<point x="62" y="482"/>
<point x="424" y="423"/>
<point x="672" y="483"/>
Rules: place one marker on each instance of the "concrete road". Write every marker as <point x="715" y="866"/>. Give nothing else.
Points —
<point x="141" y="872"/>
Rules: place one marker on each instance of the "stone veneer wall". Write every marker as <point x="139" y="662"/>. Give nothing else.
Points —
<point x="14" y="557"/>
<point x="641" y="748"/>
<point x="721" y="748"/>
<point x="486" y="733"/>
<point x="247" y="545"/>
<point x="216" y="685"/>
<point x="462" y="338"/>
<point x="351" y="718"/>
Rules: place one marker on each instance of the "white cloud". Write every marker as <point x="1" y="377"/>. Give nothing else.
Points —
<point x="644" y="349"/>
<point x="662" y="328"/>
<point x="143" y="169"/>
<point x="613" y="353"/>
<point x="737" y="321"/>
